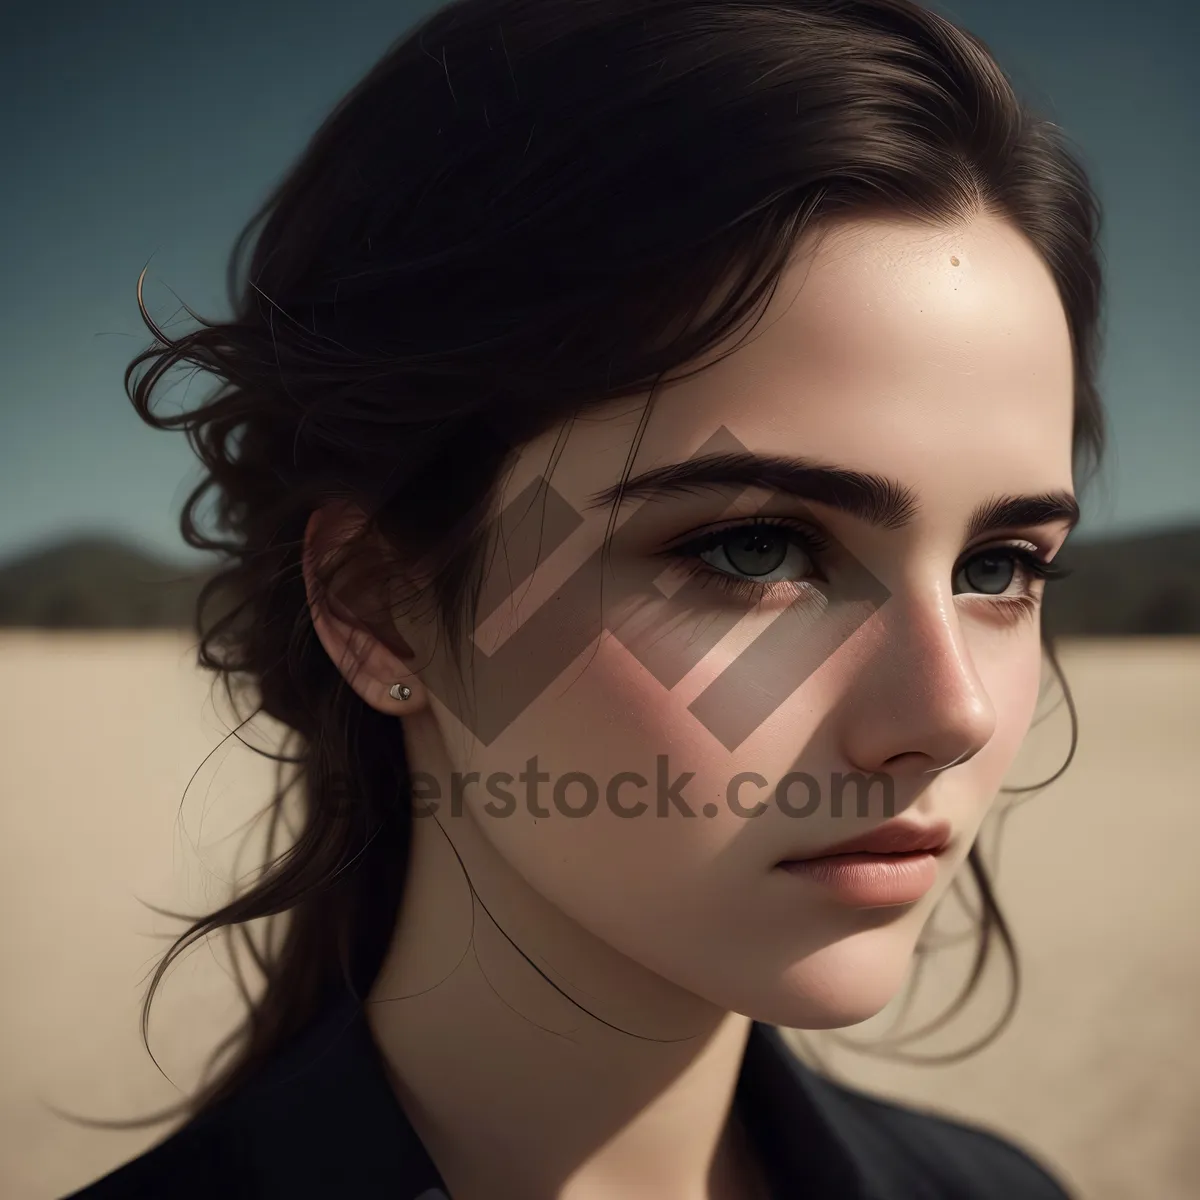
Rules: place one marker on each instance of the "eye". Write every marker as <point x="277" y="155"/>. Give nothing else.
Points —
<point x="991" y="573"/>
<point x="763" y="553"/>
<point x="994" y="572"/>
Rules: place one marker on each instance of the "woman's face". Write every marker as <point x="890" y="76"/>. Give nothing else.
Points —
<point x="808" y="622"/>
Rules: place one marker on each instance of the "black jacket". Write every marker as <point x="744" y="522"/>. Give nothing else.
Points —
<point x="323" y="1121"/>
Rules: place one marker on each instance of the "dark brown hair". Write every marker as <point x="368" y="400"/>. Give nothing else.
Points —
<point x="526" y="208"/>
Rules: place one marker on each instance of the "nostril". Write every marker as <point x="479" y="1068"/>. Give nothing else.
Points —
<point x="954" y="762"/>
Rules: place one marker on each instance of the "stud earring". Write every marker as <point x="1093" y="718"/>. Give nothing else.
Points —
<point x="398" y="691"/>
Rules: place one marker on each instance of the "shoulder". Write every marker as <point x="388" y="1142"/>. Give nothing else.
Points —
<point x="201" y="1159"/>
<point x="904" y="1151"/>
<point x="318" y="1119"/>
<point x="827" y="1139"/>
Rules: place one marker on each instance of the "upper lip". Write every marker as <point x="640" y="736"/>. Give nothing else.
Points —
<point x="896" y="837"/>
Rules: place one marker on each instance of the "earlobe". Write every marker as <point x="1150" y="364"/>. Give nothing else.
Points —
<point x="369" y="666"/>
<point x="371" y="660"/>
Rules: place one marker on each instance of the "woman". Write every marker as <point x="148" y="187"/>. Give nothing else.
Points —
<point x="582" y="342"/>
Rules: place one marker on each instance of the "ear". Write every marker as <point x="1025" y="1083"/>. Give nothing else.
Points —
<point x="355" y="626"/>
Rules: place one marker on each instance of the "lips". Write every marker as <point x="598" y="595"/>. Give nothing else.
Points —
<point x="896" y="837"/>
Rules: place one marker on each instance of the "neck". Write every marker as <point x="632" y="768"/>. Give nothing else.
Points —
<point x="622" y="1087"/>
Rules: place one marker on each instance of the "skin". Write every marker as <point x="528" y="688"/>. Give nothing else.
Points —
<point x="938" y="356"/>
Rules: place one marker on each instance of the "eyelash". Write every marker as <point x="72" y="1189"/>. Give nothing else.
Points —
<point x="814" y="545"/>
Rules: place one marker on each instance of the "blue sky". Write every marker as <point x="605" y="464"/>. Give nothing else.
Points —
<point x="133" y="131"/>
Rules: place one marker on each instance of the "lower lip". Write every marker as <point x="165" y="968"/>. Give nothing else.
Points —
<point x="871" y="880"/>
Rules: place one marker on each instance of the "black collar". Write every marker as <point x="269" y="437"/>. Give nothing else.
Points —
<point x="325" y="1111"/>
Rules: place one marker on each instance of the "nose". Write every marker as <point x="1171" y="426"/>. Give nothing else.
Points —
<point x="918" y="704"/>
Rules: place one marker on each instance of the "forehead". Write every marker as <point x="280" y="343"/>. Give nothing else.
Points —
<point x="940" y="356"/>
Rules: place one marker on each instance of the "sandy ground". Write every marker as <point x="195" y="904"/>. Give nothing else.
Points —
<point x="1099" y="1074"/>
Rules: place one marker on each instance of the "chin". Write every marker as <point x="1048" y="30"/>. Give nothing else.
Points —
<point x="841" y="984"/>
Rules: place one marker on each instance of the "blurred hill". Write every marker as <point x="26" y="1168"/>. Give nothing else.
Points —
<point x="96" y="583"/>
<point x="1134" y="585"/>
<point x="1144" y="584"/>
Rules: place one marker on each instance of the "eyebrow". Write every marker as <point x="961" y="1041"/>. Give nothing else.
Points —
<point x="875" y="499"/>
<point x="1047" y="508"/>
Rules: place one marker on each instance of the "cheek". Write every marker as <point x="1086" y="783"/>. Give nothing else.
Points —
<point x="1012" y="676"/>
<point x="605" y="720"/>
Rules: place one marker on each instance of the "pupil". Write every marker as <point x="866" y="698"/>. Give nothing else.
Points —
<point x="757" y="553"/>
<point x="990" y="574"/>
